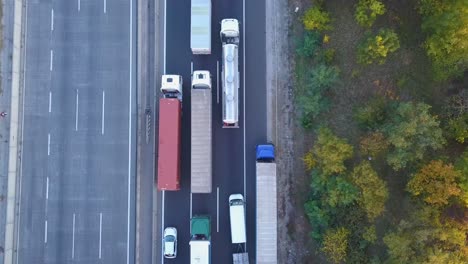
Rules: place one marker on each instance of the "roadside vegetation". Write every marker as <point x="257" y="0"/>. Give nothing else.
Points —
<point x="381" y="92"/>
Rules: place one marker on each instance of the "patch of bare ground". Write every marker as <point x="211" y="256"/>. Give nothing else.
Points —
<point x="294" y="243"/>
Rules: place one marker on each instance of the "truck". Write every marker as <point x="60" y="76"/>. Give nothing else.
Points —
<point x="266" y="206"/>
<point x="200" y="240"/>
<point x="201" y="152"/>
<point x="230" y="72"/>
<point x="238" y="228"/>
<point x="170" y="111"/>
<point x="200" y="27"/>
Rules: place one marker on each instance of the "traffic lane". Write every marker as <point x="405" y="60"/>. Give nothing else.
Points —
<point x="255" y="106"/>
<point x="94" y="60"/>
<point x="34" y="151"/>
<point x="177" y="204"/>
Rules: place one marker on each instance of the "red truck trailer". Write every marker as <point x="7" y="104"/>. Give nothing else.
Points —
<point x="170" y="111"/>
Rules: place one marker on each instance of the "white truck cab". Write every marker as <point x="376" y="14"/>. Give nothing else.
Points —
<point x="171" y="86"/>
<point x="201" y="80"/>
<point x="229" y="31"/>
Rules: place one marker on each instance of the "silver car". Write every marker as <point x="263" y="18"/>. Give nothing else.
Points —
<point x="170" y="242"/>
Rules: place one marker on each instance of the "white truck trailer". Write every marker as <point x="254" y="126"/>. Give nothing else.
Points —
<point x="201" y="152"/>
<point x="230" y="72"/>
<point x="266" y="218"/>
<point x="200" y="27"/>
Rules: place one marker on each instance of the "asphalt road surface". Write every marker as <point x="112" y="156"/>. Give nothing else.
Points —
<point x="78" y="158"/>
<point x="231" y="147"/>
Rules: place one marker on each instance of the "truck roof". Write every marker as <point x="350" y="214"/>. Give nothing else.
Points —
<point x="230" y="84"/>
<point x="169" y="144"/>
<point x="200" y="225"/>
<point x="200" y="25"/>
<point x="199" y="252"/>
<point x="266" y="218"/>
<point x="201" y="143"/>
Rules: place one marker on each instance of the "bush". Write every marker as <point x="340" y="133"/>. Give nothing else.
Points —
<point x="309" y="44"/>
<point x="458" y="128"/>
<point x="367" y="11"/>
<point x="311" y="99"/>
<point x="316" y="19"/>
<point x="331" y="151"/>
<point x="373" y="144"/>
<point x="373" y="114"/>
<point x="377" y="48"/>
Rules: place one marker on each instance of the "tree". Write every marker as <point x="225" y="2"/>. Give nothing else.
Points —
<point x="399" y="247"/>
<point x="309" y="44"/>
<point x="331" y="152"/>
<point x="335" y="244"/>
<point x="377" y="48"/>
<point x="458" y="128"/>
<point x="370" y="234"/>
<point x="311" y="99"/>
<point x="373" y="190"/>
<point x="373" y="144"/>
<point x="372" y="114"/>
<point x="316" y="19"/>
<point x="445" y="23"/>
<point x="411" y="132"/>
<point x="436" y="183"/>
<point x="340" y="192"/>
<point x="367" y="12"/>
<point x="462" y="166"/>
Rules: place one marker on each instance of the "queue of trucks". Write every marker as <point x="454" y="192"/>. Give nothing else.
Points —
<point x="169" y="146"/>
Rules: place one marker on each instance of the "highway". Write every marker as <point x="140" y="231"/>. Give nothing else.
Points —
<point x="233" y="149"/>
<point x="77" y="189"/>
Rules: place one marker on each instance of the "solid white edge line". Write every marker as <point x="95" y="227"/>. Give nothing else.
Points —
<point x="79" y="5"/>
<point x="217" y="209"/>
<point x="129" y="130"/>
<point x="100" y="234"/>
<point x="51" y="65"/>
<point x="76" y="111"/>
<point x="48" y="144"/>
<point x="22" y="128"/>
<point x="47" y="189"/>
<point x="50" y="101"/>
<point x="243" y="77"/>
<point x="52" y="19"/>
<point x="217" y="81"/>
<point x="45" y="231"/>
<point x="105" y="6"/>
<point x="73" y="237"/>
<point x="103" y="110"/>
<point x="191" y="67"/>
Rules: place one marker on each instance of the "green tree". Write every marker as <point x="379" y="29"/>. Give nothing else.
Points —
<point x="316" y="19"/>
<point x="462" y="166"/>
<point x="458" y="128"/>
<point x="411" y="132"/>
<point x="436" y="183"/>
<point x="373" y="190"/>
<point x="377" y="48"/>
<point x="445" y="23"/>
<point x="367" y="12"/>
<point x="311" y="98"/>
<point x="335" y="244"/>
<point x="309" y="44"/>
<point x="372" y="114"/>
<point x="399" y="247"/>
<point x="340" y="192"/>
<point x="331" y="152"/>
<point x="370" y="234"/>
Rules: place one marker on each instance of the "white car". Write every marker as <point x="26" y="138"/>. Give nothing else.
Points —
<point x="170" y="242"/>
